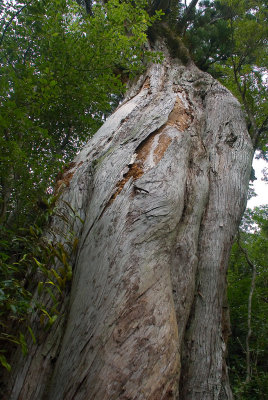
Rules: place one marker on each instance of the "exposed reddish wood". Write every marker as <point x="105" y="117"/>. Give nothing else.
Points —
<point x="64" y="177"/>
<point x="163" y="143"/>
<point x="179" y="116"/>
<point x="146" y="84"/>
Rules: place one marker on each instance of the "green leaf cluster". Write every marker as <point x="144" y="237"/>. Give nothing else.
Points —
<point x="61" y="75"/>
<point x="34" y="276"/>
<point x="228" y="38"/>
<point x="208" y="36"/>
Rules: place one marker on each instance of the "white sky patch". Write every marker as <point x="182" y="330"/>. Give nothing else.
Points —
<point x="260" y="187"/>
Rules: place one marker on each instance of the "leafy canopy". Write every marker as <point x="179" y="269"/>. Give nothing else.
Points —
<point x="228" y="38"/>
<point x="60" y="76"/>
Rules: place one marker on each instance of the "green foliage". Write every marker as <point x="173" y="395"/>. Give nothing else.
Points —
<point x="228" y="38"/>
<point x="32" y="269"/>
<point x="59" y="79"/>
<point x="254" y="239"/>
<point x="245" y="70"/>
<point x="208" y="36"/>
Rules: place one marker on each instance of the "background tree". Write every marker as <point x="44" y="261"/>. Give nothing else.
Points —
<point x="248" y="306"/>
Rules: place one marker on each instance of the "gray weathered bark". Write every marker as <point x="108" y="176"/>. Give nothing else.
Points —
<point x="162" y="187"/>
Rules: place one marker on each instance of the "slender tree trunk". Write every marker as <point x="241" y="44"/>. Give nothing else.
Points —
<point x="162" y="187"/>
<point x="252" y="287"/>
<point x="250" y="296"/>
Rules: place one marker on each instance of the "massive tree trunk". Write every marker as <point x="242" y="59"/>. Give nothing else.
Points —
<point x="161" y="187"/>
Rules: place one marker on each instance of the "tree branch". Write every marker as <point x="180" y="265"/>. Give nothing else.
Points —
<point x="88" y="4"/>
<point x="183" y="22"/>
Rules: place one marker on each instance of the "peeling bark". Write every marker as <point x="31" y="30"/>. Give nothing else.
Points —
<point x="161" y="187"/>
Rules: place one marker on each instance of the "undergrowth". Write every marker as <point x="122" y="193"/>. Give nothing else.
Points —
<point x="35" y="264"/>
